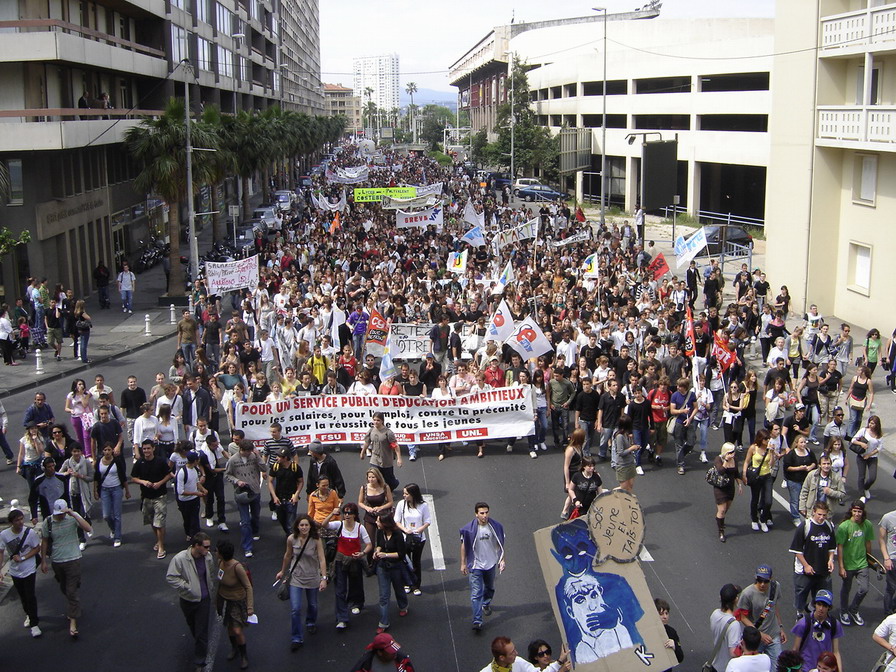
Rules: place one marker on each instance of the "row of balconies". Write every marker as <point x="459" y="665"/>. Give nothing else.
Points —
<point x="873" y="28"/>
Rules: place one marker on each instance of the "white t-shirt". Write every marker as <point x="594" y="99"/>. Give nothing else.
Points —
<point x="10" y="541"/>
<point x="750" y="663"/>
<point x="186" y="480"/>
<point x="887" y="630"/>
<point x="413" y="517"/>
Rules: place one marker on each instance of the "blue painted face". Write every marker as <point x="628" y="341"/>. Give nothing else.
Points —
<point x="573" y="547"/>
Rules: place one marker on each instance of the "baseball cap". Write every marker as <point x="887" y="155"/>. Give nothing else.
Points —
<point x="800" y="407"/>
<point x="382" y="641"/>
<point x="764" y="572"/>
<point x="825" y="597"/>
<point x="429" y="355"/>
<point x="60" y="506"/>
<point x="192" y="456"/>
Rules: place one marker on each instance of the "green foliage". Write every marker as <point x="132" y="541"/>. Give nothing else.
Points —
<point x="440" y="157"/>
<point x="435" y="118"/>
<point x="8" y="241"/>
<point x="758" y="232"/>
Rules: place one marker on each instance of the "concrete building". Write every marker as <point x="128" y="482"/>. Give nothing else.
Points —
<point x="341" y="100"/>
<point x="72" y="178"/>
<point x="704" y="80"/>
<point x="379" y="73"/>
<point x="832" y="175"/>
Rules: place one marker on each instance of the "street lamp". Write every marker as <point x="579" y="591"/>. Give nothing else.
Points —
<point x="630" y="138"/>
<point x="603" y="131"/>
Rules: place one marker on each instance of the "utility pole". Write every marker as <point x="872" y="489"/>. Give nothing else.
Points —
<point x="191" y="226"/>
<point x="512" y="123"/>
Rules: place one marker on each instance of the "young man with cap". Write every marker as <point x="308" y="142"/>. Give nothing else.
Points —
<point x="188" y="489"/>
<point x="244" y="471"/>
<point x="506" y="659"/>
<point x="192" y="574"/>
<point x="65" y="556"/>
<point x="23" y="544"/>
<point x="757" y="607"/>
<point x="382" y="651"/>
<point x="813" y="546"/>
<point x="818" y="632"/>
<point x="854" y="537"/>
<point x="152" y="474"/>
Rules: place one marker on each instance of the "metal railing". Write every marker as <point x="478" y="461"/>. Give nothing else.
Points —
<point x="55" y="25"/>
<point x="721" y="218"/>
<point x="53" y="114"/>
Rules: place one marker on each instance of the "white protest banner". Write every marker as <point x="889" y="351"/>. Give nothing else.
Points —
<point x="581" y="236"/>
<point x="518" y="233"/>
<point x="528" y="339"/>
<point x="226" y="276"/>
<point x="692" y="247"/>
<point x="409" y="341"/>
<point x="430" y="190"/>
<point x="390" y="203"/>
<point x="345" y="418"/>
<point x="473" y="217"/>
<point x="423" y="218"/>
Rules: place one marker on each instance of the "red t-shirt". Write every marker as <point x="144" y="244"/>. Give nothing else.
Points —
<point x="659" y="404"/>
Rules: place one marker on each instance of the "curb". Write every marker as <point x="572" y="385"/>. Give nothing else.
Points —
<point x="154" y="340"/>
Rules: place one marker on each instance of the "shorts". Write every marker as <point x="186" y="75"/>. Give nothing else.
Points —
<point x="54" y="336"/>
<point x="626" y="473"/>
<point x="155" y="512"/>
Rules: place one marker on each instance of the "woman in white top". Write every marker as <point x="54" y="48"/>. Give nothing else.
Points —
<point x="412" y="517"/>
<point x="79" y="404"/>
<point x="146" y="428"/>
<point x="22" y="544"/>
<point x="176" y="403"/>
<point x="6" y="337"/>
<point x="352" y="546"/>
<point x="188" y="488"/>
<point x="868" y="441"/>
<point x="31" y="450"/>
<point x="362" y="385"/>
<point x="524" y="381"/>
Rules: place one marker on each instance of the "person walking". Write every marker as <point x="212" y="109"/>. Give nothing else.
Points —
<point x="235" y="600"/>
<point x="127" y="284"/>
<point x="725" y="628"/>
<point x="352" y="545"/>
<point x="192" y="574"/>
<point x="757" y="471"/>
<point x="814" y="546"/>
<point x="152" y="474"/>
<point x="757" y="606"/>
<point x="389" y="555"/>
<point x="382" y="654"/>
<point x="854" y="537"/>
<point x="22" y="544"/>
<point x="817" y="632"/>
<point x="866" y="444"/>
<point x="384" y="449"/>
<point x="723" y="488"/>
<point x="110" y="483"/>
<point x="413" y="518"/>
<point x="245" y="471"/>
<point x="188" y="488"/>
<point x="59" y="548"/>
<point x="305" y="568"/>
<point x="482" y="556"/>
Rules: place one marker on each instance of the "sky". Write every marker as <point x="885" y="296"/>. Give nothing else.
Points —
<point x="430" y="35"/>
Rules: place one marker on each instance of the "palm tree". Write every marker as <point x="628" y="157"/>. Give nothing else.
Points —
<point x="160" y="147"/>
<point x="411" y="88"/>
<point x="244" y="137"/>
<point x="221" y="164"/>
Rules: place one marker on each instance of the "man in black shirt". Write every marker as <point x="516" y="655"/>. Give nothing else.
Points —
<point x="285" y="485"/>
<point x="797" y="424"/>
<point x="430" y="372"/>
<point x="320" y="465"/>
<point x="591" y="352"/>
<point x="53" y="320"/>
<point x="106" y="431"/>
<point x="608" y="411"/>
<point x="46" y="488"/>
<point x="814" y="544"/>
<point x="781" y="371"/>
<point x="152" y="474"/>
<point x="213" y="339"/>
<point x="620" y="363"/>
<point x="131" y="400"/>
<point x="585" y="405"/>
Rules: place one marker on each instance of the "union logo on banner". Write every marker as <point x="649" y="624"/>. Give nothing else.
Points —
<point x="722" y="354"/>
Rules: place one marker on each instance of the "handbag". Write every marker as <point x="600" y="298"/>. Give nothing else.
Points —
<point x="330" y="543"/>
<point x="83" y="325"/>
<point x="707" y="666"/>
<point x="670" y="424"/>
<point x="856" y="404"/>
<point x="716" y="478"/>
<point x="753" y="472"/>
<point x="283" y="586"/>
<point x="858" y="449"/>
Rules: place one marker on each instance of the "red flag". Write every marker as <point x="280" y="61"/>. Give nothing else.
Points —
<point x="658" y="266"/>
<point x="335" y="224"/>
<point x="722" y="354"/>
<point x="690" y="341"/>
<point x="580" y="216"/>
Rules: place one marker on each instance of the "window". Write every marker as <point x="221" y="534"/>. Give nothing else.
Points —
<point x="225" y="62"/>
<point x="874" y="95"/>
<point x="859" y="268"/>
<point x="864" y="182"/>
<point x="16" y="182"/>
<point x="178" y="3"/>
<point x="178" y="44"/>
<point x="223" y="19"/>
<point x="204" y="53"/>
<point x="202" y="11"/>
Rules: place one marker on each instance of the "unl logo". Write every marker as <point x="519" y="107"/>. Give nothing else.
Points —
<point x="470" y="433"/>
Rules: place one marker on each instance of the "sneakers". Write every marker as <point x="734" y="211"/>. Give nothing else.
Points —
<point x="845" y="619"/>
<point x="256" y="538"/>
<point x="755" y="526"/>
<point x="417" y="592"/>
<point x="81" y="547"/>
<point x="116" y="543"/>
<point x="413" y="458"/>
<point x="543" y="446"/>
<point x="681" y="471"/>
<point x="402" y="612"/>
<point x="27" y="623"/>
<point x="341" y="625"/>
<point x="814" y="440"/>
<point x="857" y="618"/>
<point x="223" y="527"/>
<point x="407" y="589"/>
<point x="533" y="454"/>
<point x="356" y="610"/>
<point x="209" y="522"/>
<point x="509" y="447"/>
<point x="487" y="609"/>
<point x="10" y="461"/>
<point x="639" y="471"/>
<point x="35" y="631"/>
<point x="657" y="460"/>
<point x="274" y="516"/>
<point x="763" y="527"/>
<point x="477" y="627"/>
<point x="715" y="428"/>
<point x="248" y="554"/>
<point x="796" y="522"/>
<point x="867" y="495"/>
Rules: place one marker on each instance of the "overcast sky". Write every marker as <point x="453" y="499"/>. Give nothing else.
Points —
<point x="429" y="35"/>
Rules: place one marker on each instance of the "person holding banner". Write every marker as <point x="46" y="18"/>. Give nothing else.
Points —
<point x="384" y="449"/>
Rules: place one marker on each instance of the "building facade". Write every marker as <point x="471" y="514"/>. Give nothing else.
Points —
<point x="379" y="73"/>
<point x="75" y="76"/>
<point x="341" y="100"/>
<point x="832" y="175"/>
<point x="704" y="81"/>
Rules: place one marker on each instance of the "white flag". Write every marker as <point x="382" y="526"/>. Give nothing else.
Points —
<point x="473" y="217"/>
<point x="387" y="364"/>
<point x="529" y="340"/>
<point x="501" y="324"/>
<point x="457" y="261"/>
<point x="474" y="237"/>
<point x="507" y="276"/>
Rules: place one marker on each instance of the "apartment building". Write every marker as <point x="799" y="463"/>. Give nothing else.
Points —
<point x="832" y="175"/>
<point x="379" y="73"/>
<point x="76" y="75"/>
<point x="341" y="100"/>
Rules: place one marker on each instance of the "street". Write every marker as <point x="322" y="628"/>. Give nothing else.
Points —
<point x="131" y="617"/>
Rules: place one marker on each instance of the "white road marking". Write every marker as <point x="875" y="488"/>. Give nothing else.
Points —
<point x="644" y="555"/>
<point x="780" y="499"/>
<point x="432" y="534"/>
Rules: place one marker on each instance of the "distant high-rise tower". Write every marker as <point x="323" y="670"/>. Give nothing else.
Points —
<point x="379" y="73"/>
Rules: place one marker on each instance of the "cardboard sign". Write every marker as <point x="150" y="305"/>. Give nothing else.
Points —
<point x="227" y="276"/>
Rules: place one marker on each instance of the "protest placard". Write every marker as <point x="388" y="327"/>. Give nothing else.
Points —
<point x="227" y="276"/>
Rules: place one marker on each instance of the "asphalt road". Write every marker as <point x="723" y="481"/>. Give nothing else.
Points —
<point x="131" y="618"/>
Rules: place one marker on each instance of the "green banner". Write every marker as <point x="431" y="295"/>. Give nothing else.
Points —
<point x="372" y="194"/>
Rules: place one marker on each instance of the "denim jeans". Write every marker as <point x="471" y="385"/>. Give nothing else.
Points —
<point x="560" y="426"/>
<point x="111" y="498"/>
<point x="358" y="345"/>
<point x="391" y="577"/>
<point x="804" y="589"/>
<point x="866" y="471"/>
<point x="855" y="421"/>
<point x="249" y="521"/>
<point x="588" y="427"/>
<point x="213" y="352"/>
<point x="83" y="340"/>
<point x="482" y="590"/>
<point x="604" y="446"/>
<point x="640" y="437"/>
<point x="126" y="296"/>
<point x="793" y="489"/>
<point x="702" y="432"/>
<point x="286" y="515"/>
<point x="295" y="612"/>
<point x="189" y="350"/>
<point x="104" y="296"/>
<point x="772" y="650"/>
<point x="541" y="424"/>
<point x="814" y="418"/>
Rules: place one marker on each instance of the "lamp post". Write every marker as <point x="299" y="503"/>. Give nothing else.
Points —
<point x="191" y="224"/>
<point x="512" y="124"/>
<point x="603" y="131"/>
<point x="642" y="193"/>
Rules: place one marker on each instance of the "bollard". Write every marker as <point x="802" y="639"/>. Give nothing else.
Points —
<point x="172" y="319"/>
<point x="147" y="331"/>
<point x="38" y="362"/>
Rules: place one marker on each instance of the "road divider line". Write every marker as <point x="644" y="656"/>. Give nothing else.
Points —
<point x="432" y="533"/>
<point x="644" y="555"/>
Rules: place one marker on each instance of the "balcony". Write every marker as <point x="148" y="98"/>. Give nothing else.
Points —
<point x="872" y="127"/>
<point x="854" y="32"/>
<point x="65" y="128"/>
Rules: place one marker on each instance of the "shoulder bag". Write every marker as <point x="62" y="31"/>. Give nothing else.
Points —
<point x="716" y="478"/>
<point x="22" y="545"/>
<point x="707" y="666"/>
<point x="412" y="540"/>
<point x="753" y="472"/>
<point x="283" y="586"/>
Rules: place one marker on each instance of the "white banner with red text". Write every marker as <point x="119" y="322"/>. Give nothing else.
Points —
<point x="346" y="418"/>
<point x="227" y="276"/>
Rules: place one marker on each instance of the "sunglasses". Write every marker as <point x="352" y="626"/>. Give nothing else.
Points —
<point x="543" y="652"/>
<point x="762" y="580"/>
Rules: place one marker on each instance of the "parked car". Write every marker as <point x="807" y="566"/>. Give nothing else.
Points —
<point x="245" y="232"/>
<point x="284" y="199"/>
<point x="266" y="214"/>
<point x="540" y="192"/>
<point x="305" y="182"/>
<point x="523" y="182"/>
<point x="734" y="234"/>
<point x="500" y="180"/>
